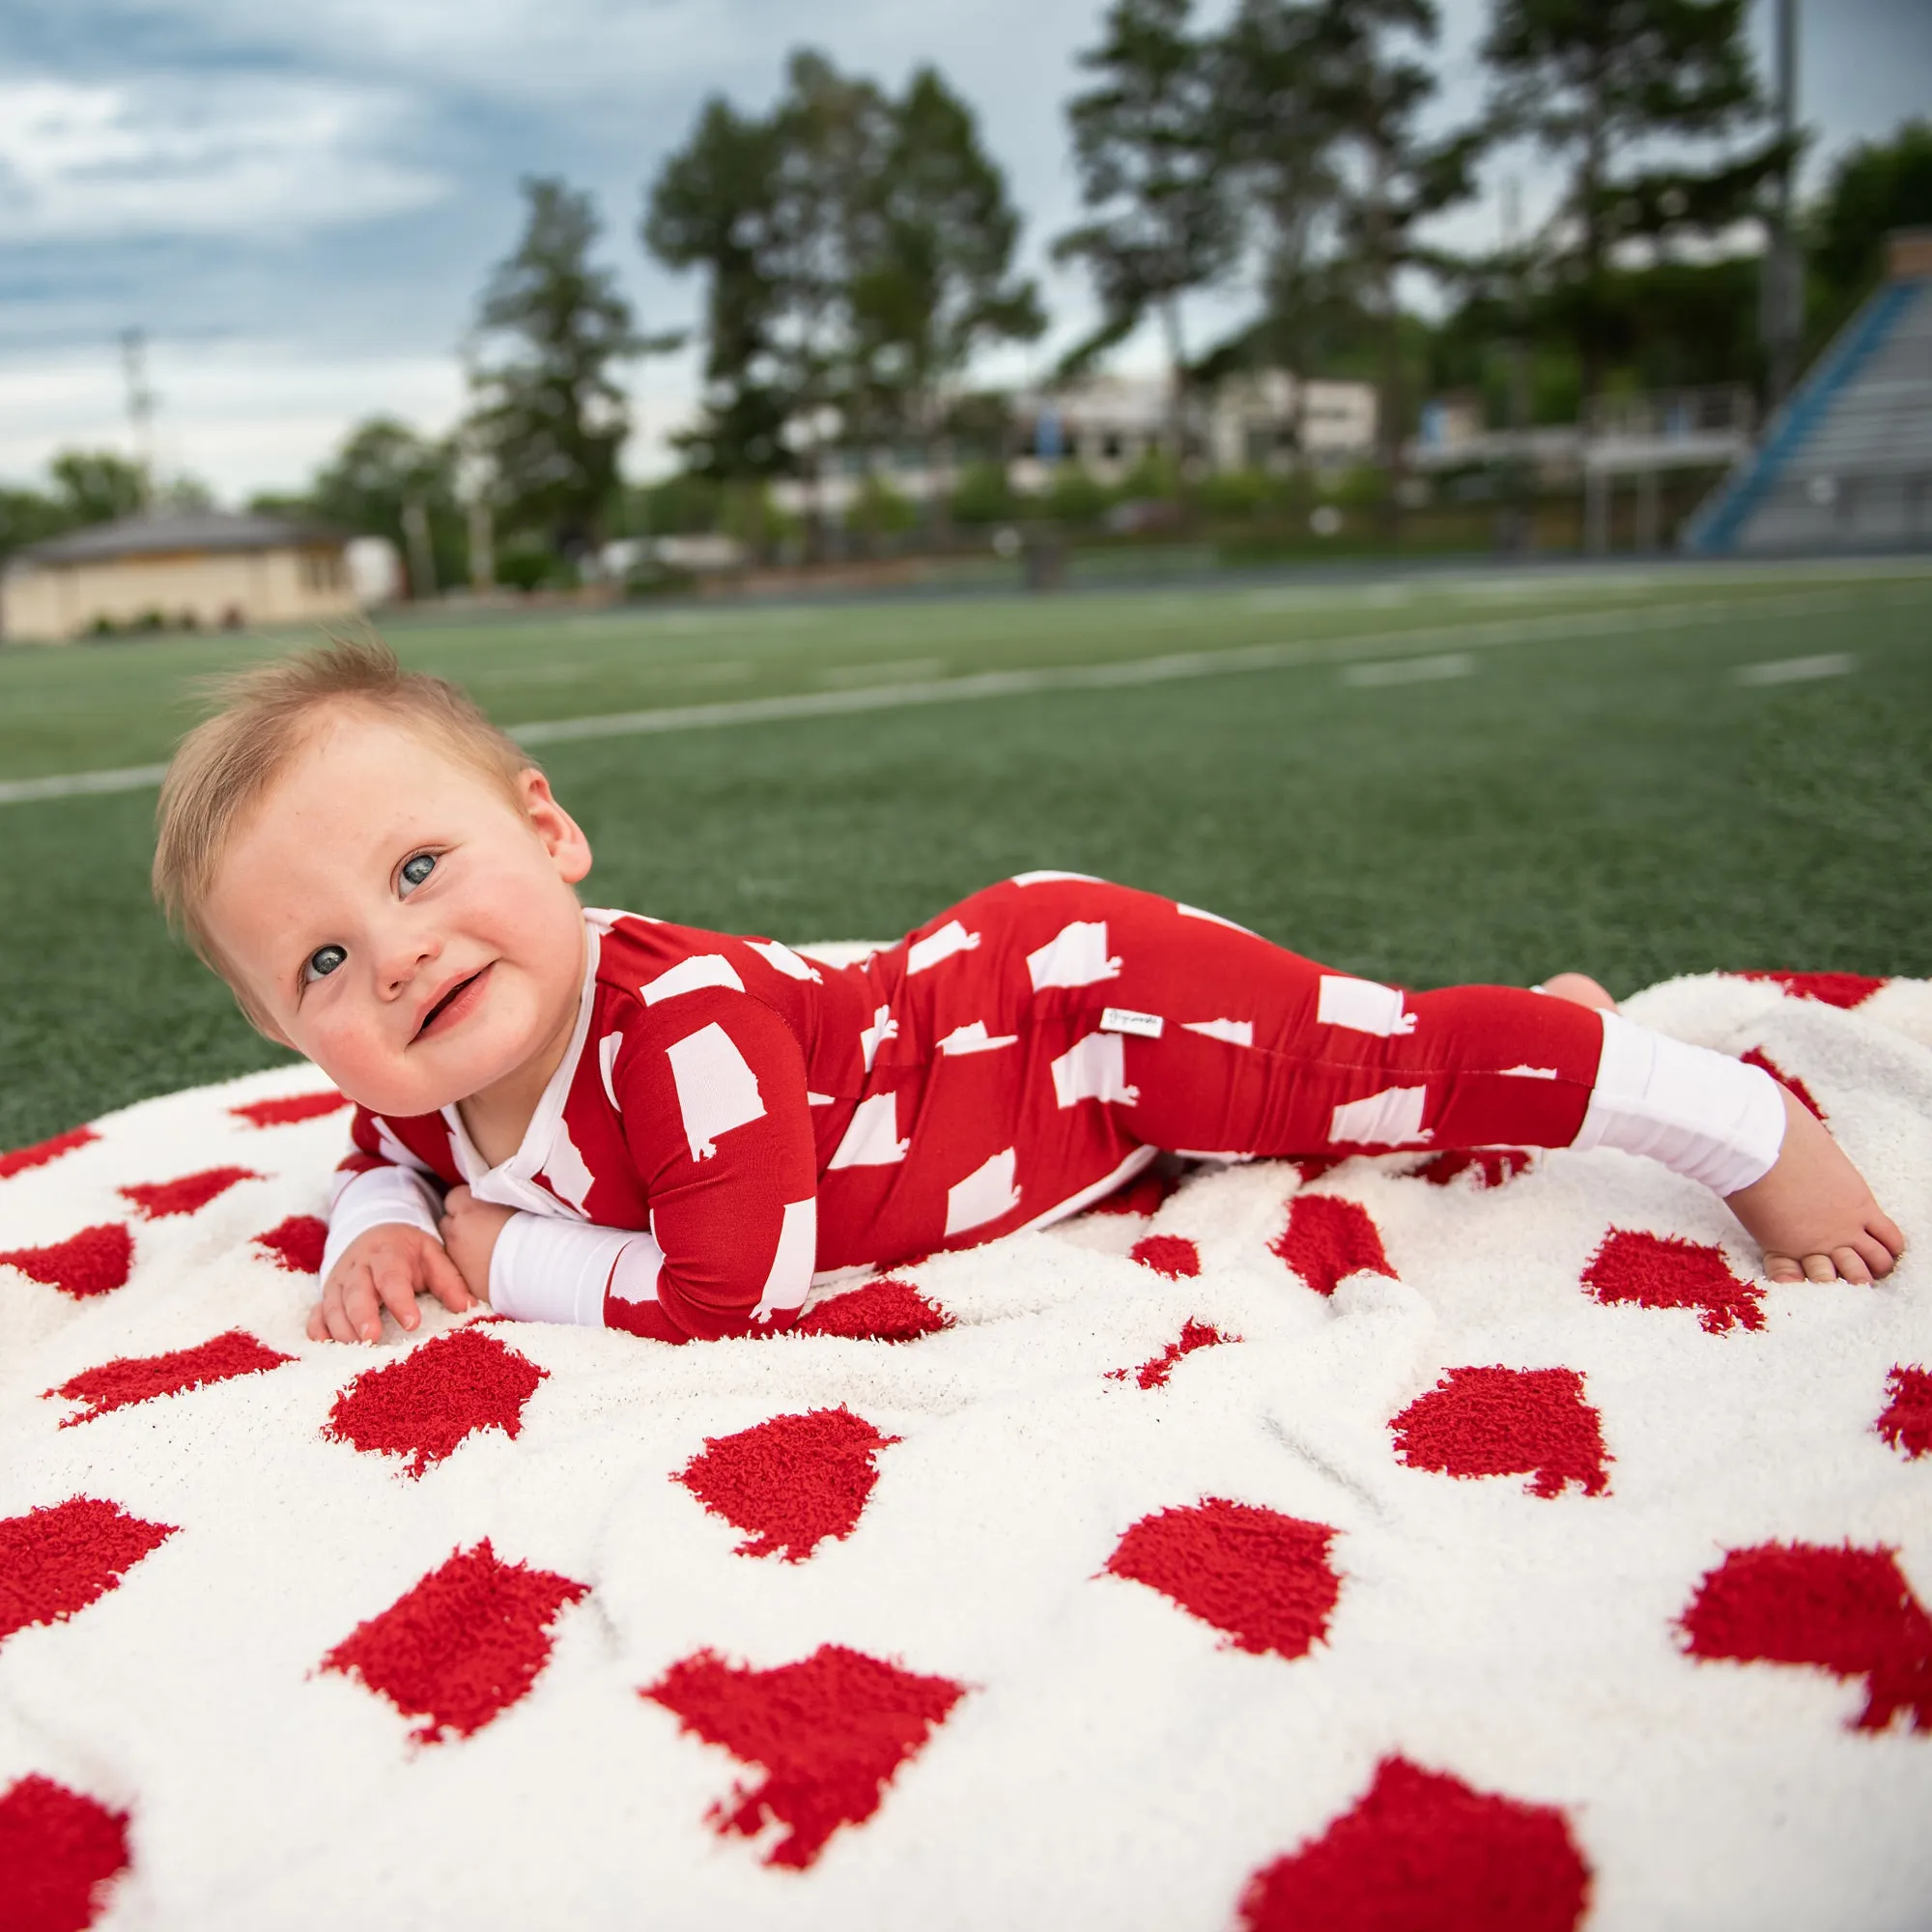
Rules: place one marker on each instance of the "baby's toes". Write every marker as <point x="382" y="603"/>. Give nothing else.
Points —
<point x="1880" y="1225"/>
<point x="1820" y="1267"/>
<point x="1782" y="1267"/>
<point x="1852" y="1267"/>
<point x="1875" y="1255"/>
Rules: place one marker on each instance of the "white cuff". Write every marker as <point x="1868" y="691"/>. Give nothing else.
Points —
<point x="545" y="1268"/>
<point x="1703" y="1115"/>
<point x="369" y="1199"/>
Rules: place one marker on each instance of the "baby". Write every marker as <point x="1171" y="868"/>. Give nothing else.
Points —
<point x="600" y="1118"/>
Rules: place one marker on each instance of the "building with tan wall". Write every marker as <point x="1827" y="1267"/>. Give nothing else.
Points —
<point x="205" y="568"/>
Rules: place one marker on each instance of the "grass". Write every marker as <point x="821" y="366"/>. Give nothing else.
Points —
<point x="1595" y="791"/>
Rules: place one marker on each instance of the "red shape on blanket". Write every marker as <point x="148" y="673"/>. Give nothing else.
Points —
<point x="1328" y="1239"/>
<point x="1667" y="1272"/>
<point x="59" y="1558"/>
<point x="462" y="1645"/>
<point x="1906" y="1421"/>
<point x="1492" y="1167"/>
<point x="1506" y="1422"/>
<point x="1423" y="1851"/>
<point x="792" y="1481"/>
<point x="1847" y="1610"/>
<point x="188" y="1195"/>
<point x="1143" y="1195"/>
<point x="882" y="1311"/>
<point x="132" y="1379"/>
<point x="43" y="1151"/>
<point x="289" y="1112"/>
<point x="1843" y="990"/>
<point x="97" y="1260"/>
<point x="829" y="1732"/>
<point x="1153" y="1373"/>
<point x="1171" y="1254"/>
<point x="1799" y="1089"/>
<point x="424" y="1405"/>
<point x="58" y="1853"/>
<point x="1264" y="1578"/>
<point x="297" y="1243"/>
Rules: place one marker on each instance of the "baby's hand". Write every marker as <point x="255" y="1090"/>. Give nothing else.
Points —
<point x="469" y="1228"/>
<point x="387" y="1268"/>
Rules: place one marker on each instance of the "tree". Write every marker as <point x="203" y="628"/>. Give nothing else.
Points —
<point x="1148" y="143"/>
<point x="1594" y="82"/>
<point x="1874" y="187"/>
<point x="368" y="487"/>
<point x="94" y="486"/>
<point x="550" y="416"/>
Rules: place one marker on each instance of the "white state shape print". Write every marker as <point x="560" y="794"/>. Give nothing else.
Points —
<point x="1052" y="878"/>
<point x="702" y="969"/>
<point x="783" y="959"/>
<point x="950" y="938"/>
<point x="790" y="1274"/>
<point x="1392" y="1118"/>
<point x="566" y="1170"/>
<point x="975" y="1039"/>
<point x="1236" y="1033"/>
<point x="872" y="1135"/>
<point x="1362" y="1005"/>
<point x="1215" y="917"/>
<point x="1076" y="955"/>
<point x="608" y="1049"/>
<point x="986" y="1194"/>
<point x="716" y="1090"/>
<point x="393" y="1150"/>
<point x="883" y="1027"/>
<point x="1529" y="1073"/>
<point x="1094" y="1069"/>
<point x="813" y="1099"/>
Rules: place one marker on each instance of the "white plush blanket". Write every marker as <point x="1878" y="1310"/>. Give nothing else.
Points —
<point x="1367" y="1547"/>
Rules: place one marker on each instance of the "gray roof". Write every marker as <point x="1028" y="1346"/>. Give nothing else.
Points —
<point x="171" y="530"/>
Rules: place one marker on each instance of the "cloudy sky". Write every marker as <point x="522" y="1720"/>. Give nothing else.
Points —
<point x="298" y="204"/>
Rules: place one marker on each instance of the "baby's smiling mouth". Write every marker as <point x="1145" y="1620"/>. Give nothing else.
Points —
<point x="457" y="1002"/>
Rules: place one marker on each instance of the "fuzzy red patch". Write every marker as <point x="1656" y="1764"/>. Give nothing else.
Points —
<point x="1171" y="1254"/>
<point x="829" y="1732"/>
<point x="1313" y="1167"/>
<point x="1423" y="1851"/>
<point x="442" y="1391"/>
<point x="1142" y="1195"/>
<point x="1264" y="1578"/>
<point x="58" y="1853"/>
<point x="1847" y="1610"/>
<point x="41" y="1152"/>
<point x="1844" y="990"/>
<point x="97" y="1260"/>
<point x="188" y="1195"/>
<point x="1906" y="1421"/>
<point x="58" y="1559"/>
<point x="1492" y="1167"/>
<point x="297" y="1243"/>
<point x="1803" y="1093"/>
<point x="296" y="1108"/>
<point x="132" y="1379"/>
<point x="792" y="1481"/>
<point x="461" y="1647"/>
<point x="1154" y="1373"/>
<point x="1666" y="1271"/>
<point x="1328" y="1239"/>
<point x="1507" y="1422"/>
<point x="881" y="1311"/>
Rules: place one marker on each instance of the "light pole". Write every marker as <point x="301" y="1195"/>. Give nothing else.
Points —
<point x="1784" y="281"/>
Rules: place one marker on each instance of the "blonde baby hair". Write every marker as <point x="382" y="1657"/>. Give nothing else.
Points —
<point x="223" y="767"/>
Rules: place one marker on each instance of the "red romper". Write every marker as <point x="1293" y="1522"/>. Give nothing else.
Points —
<point x="745" y="1117"/>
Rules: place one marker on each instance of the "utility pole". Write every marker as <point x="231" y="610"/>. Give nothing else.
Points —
<point x="1784" y="281"/>
<point x="140" y="409"/>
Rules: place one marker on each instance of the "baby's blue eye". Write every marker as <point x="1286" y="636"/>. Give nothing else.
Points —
<point x="324" y="961"/>
<point x="418" y="869"/>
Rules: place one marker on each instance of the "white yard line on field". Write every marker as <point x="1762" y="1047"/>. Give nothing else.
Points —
<point x="1107" y="676"/>
<point x="1797" y="670"/>
<point x="1410" y="671"/>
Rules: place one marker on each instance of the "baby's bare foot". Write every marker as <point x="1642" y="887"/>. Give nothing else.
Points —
<point x="1580" y="990"/>
<point x="1812" y="1214"/>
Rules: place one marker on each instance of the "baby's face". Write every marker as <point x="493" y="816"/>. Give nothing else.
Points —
<point x="397" y="919"/>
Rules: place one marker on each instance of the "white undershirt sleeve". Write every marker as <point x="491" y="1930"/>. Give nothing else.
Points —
<point x="545" y="1268"/>
<point x="1703" y="1115"/>
<point x="368" y="1200"/>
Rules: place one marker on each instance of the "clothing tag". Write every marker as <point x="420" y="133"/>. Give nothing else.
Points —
<point x="1118" y="1019"/>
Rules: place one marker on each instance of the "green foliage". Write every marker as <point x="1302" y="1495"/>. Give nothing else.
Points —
<point x="983" y="496"/>
<point x="1875" y="187"/>
<point x="382" y="466"/>
<point x="1076" y="495"/>
<point x="94" y="486"/>
<point x="880" y="511"/>
<point x="1236" y="493"/>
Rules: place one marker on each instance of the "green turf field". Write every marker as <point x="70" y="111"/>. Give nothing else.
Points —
<point x="1484" y="776"/>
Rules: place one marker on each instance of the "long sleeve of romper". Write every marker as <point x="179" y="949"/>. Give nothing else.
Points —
<point x="711" y="1092"/>
<point x="378" y="1182"/>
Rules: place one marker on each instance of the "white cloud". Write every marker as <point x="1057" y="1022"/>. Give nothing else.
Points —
<point x="225" y="153"/>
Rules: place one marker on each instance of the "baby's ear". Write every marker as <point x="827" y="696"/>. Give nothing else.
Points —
<point x="562" y="835"/>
